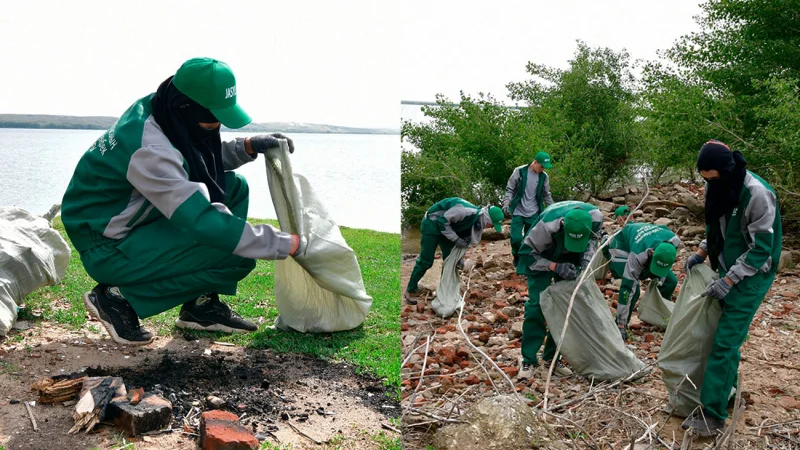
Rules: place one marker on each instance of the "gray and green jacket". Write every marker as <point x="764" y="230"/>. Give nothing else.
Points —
<point x="456" y="218"/>
<point x="527" y="193"/>
<point x="752" y="233"/>
<point x="132" y="176"/>
<point x="544" y="244"/>
<point x="632" y="246"/>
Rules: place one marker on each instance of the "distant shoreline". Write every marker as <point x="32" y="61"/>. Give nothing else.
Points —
<point x="53" y="122"/>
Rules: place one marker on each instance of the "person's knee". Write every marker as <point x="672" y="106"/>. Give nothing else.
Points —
<point x="239" y="184"/>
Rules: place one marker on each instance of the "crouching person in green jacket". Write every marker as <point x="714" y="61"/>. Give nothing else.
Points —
<point x="448" y="223"/>
<point x="743" y="241"/>
<point x="641" y="251"/>
<point x="157" y="215"/>
<point x="558" y="247"/>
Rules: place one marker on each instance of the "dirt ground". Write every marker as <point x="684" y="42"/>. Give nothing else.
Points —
<point x="272" y="393"/>
<point x="492" y="317"/>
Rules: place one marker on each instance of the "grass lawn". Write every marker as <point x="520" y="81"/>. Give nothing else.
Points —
<point x="373" y="347"/>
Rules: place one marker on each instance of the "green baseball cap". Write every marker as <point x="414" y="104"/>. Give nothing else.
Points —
<point x="543" y="159"/>
<point x="497" y="216"/>
<point x="211" y="84"/>
<point x="577" y="230"/>
<point x="621" y="211"/>
<point x="663" y="258"/>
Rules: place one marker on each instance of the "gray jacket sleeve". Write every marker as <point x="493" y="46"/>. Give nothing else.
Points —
<point x="455" y="214"/>
<point x="234" y="154"/>
<point x="539" y="239"/>
<point x="759" y="217"/>
<point x="547" y="197"/>
<point x="511" y="187"/>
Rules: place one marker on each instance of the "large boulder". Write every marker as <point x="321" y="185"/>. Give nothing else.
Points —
<point x="490" y="234"/>
<point x="786" y="260"/>
<point x="693" y="204"/>
<point x="497" y="423"/>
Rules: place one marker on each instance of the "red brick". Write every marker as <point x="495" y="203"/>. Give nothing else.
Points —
<point x="484" y="337"/>
<point x="404" y="326"/>
<point x="462" y="351"/>
<point x="501" y="316"/>
<point x="420" y="306"/>
<point x="220" y="430"/>
<point x="441" y="331"/>
<point x="464" y="364"/>
<point x="472" y="379"/>
<point x="499" y="304"/>
<point x="511" y="371"/>
<point x="471" y="317"/>
<point x="649" y="338"/>
<point x="501" y="330"/>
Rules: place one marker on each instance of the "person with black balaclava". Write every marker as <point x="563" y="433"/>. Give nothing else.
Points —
<point x="743" y="240"/>
<point x="157" y="214"/>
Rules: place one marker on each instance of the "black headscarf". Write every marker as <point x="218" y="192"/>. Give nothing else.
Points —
<point x="178" y="117"/>
<point x="722" y="194"/>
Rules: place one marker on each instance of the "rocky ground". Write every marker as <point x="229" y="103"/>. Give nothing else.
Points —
<point x="285" y="399"/>
<point x="456" y="377"/>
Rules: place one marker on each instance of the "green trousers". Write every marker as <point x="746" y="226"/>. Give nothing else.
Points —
<point x="519" y="228"/>
<point x="431" y="238"/>
<point x="666" y="290"/>
<point x="738" y="309"/>
<point x="534" y="328"/>
<point x="156" y="267"/>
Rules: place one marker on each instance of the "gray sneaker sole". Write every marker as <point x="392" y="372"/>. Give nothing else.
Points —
<point x="215" y="327"/>
<point x="110" y="328"/>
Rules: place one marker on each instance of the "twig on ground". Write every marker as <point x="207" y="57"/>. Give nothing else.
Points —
<point x="576" y="425"/>
<point x="424" y="364"/>
<point x="301" y="433"/>
<point x="738" y="409"/>
<point x="583" y="278"/>
<point x="434" y="416"/>
<point x="31" y="416"/>
<point x="386" y="426"/>
<point x="599" y="388"/>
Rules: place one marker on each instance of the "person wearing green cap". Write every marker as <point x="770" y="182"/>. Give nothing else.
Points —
<point x="527" y="194"/>
<point x="641" y="251"/>
<point x="448" y="223"/>
<point x="158" y="215"/>
<point x="621" y="214"/>
<point x="558" y="247"/>
<point x="743" y="242"/>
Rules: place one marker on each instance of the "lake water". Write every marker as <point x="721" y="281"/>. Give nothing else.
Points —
<point x="357" y="175"/>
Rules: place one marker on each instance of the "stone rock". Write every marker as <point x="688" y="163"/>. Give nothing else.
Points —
<point x="633" y="190"/>
<point x="619" y="200"/>
<point x="694" y="205"/>
<point x="661" y="212"/>
<point x="680" y="213"/>
<point x="215" y="402"/>
<point x="694" y="230"/>
<point x="151" y="414"/>
<point x="490" y="234"/>
<point x="220" y="430"/>
<point x="664" y="221"/>
<point x="638" y="213"/>
<point x="489" y="316"/>
<point x="431" y="279"/>
<point x="497" y="341"/>
<point x="619" y="192"/>
<point x="786" y="260"/>
<point x="604" y="206"/>
<point x="497" y="423"/>
<point x="515" y="331"/>
<point x="510" y="311"/>
<point x="490" y="262"/>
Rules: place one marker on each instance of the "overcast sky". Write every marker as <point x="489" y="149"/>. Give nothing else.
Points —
<point x="342" y="63"/>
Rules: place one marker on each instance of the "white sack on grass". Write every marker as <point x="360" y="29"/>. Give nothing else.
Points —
<point x="653" y="308"/>
<point x="592" y="344"/>
<point x="32" y="255"/>
<point x="448" y="294"/>
<point x="321" y="291"/>
<point x="688" y="341"/>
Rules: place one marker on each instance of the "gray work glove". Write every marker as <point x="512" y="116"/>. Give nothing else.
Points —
<point x="506" y="210"/>
<point x="461" y="243"/>
<point x="692" y="261"/>
<point x="264" y="142"/>
<point x="661" y="281"/>
<point x="718" y="289"/>
<point x="567" y="271"/>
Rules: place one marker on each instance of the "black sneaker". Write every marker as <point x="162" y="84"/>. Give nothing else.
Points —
<point x="703" y="424"/>
<point x="208" y="313"/>
<point x="107" y="305"/>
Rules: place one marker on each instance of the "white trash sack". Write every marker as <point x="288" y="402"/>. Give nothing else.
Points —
<point x="653" y="308"/>
<point x="688" y="341"/>
<point x="32" y="255"/>
<point x="592" y="344"/>
<point x="448" y="294"/>
<point x="321" y="291"/>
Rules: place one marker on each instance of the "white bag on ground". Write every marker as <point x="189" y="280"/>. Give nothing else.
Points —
<point x="32" y="255"/>
<point x="321" y="291"/>
<point x="448" y="294"/>
<point x="688" y="341"/>
<point x="592" y="344"/>
<point x="599" y="266"/>
<point x="653" y="309"/>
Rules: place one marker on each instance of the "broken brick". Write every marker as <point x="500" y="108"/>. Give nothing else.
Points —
<point x="150" y="414"/>
<point x="220" y="430"/>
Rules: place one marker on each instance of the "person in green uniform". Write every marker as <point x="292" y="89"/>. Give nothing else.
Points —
<point x="641" y="251"/>
<point x="527" y="195"/>
<point x="157" y="214"/>
<point x="743" y="242"/>
<point x="448" y="223"/>
<point x="621" y="214"/>
<point x="558" y="247"/>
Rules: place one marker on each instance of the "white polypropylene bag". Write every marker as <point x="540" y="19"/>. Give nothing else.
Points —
<point x="321" y="291"/>
<point x="448" y="294"/>
<point x="32" y="255"/>
<point x="653" y="308"/>
<point x="592" y="344"/>
<point x="599" y="266"/>
<point x="688" y="341"/>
